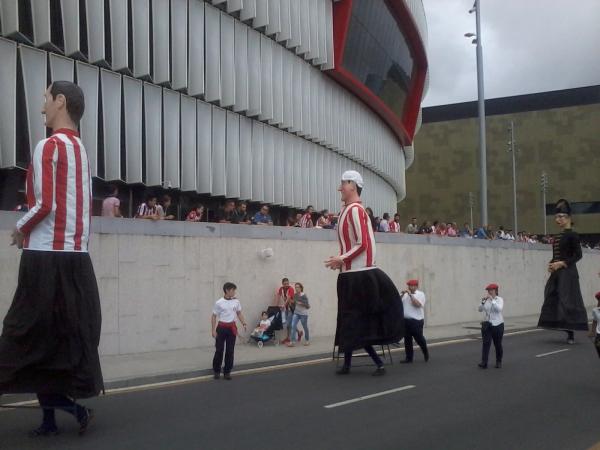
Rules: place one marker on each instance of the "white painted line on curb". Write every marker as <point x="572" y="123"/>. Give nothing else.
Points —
<point x="367" y="397"/>
<point x="552" y="353"/>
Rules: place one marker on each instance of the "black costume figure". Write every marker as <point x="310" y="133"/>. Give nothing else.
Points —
<point x="563" y="307"/>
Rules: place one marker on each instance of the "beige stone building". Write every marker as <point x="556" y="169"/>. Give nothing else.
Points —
<point x="555" y="132"/>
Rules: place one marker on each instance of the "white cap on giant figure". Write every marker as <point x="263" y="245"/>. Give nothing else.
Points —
<point x="353" y="175"/>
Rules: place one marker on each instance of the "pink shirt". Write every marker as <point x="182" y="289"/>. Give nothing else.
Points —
<point x="108" y="206"/>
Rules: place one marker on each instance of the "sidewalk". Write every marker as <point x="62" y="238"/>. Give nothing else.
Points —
<point x="134" y="369"/>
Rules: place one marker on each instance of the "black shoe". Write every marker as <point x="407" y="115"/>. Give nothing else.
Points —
<point x="84" y="422"/>
<point x="379" y="372"/>
<point x="343" y="370"/>
<point x="482" y="365"/>
<point x="499" y="365"/>
<point x="44" y="430"/>
<point x="406" y="361"/>
<point x="217" y="375"/>
<point x="426" y="357"/>
<point x="227" y="376"/>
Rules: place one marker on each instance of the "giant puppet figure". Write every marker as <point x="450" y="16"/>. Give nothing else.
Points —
<point x="369" y="305"/>
<point x="50" y="337"/>
<point x="563" y="307"/>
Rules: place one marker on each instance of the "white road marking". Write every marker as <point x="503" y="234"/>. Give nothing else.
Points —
<point x="367" y="397"/>
<point x="552" y="353"/>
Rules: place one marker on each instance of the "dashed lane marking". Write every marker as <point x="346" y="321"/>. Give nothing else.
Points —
<point x="552" y="353"/>
<point x="367" y="397"/>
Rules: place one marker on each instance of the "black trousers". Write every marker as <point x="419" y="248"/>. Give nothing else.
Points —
<point x="370" y="351"/>
<point x="413" y="328"/>
<point x="51" y="402"/>
<point x="492" y="334"/>
<point x="225" y="340"/>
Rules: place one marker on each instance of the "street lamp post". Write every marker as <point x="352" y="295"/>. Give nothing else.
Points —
<point x="512" y="149"/>
<point x="471" y="204"/>
<point x="544" y="186"/>
<point x="481" y="108"/>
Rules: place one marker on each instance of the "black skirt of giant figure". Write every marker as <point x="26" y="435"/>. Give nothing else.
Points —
<point x="50" y="337"/>
<point x="369" y="310"/>
<point x="563" y="303"/>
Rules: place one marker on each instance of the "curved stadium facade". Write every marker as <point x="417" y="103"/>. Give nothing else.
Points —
<point x="260" y="100"/>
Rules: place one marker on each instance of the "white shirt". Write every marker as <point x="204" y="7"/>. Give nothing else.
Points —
<point x="493" y="310"/>
<point x="411" y="311"/>
<point x="384" y="226"/>
<point x="226" y="310"/>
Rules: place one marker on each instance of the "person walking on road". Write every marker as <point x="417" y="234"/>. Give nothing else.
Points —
<point x="51" y="333"/>
<point x="563" y="307"/>
<point x="492" y="327"/>
<point x="413" y="303"/>
<point x="369" y="305"/>
<point x="595" y="327"/>
<point x="224" y="329"/>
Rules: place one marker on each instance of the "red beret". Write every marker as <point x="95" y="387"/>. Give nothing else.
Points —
<point x="598" y="295"/>
<point x="412" y="282"/>
<point x="491" y="286"/>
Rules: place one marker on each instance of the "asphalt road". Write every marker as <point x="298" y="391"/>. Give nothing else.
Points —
<point x="531" y="403"/>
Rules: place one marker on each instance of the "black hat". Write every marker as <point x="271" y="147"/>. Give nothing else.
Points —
<point x="562" y="207"/>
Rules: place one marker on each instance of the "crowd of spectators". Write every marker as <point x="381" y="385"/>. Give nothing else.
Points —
<point x="162" y="207"/>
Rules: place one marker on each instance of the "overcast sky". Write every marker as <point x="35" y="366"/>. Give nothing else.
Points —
<point x="528" y="46"/>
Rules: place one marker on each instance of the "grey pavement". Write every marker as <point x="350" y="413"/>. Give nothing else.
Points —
<point x="545" y="402"/>
<point x="127" y="370"/>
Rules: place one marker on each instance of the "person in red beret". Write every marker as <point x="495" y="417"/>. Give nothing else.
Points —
<point x="595" y="328"/>
<point x="492" y="327"/>
<point x="413" y="303"/>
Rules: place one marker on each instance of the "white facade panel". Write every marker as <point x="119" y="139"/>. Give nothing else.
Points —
<point x="140" y="24"/>
<point x="153" y="134"/>
<point x="94" y="16"/>
<point x="119" y="35"/>
<point x="87" y="79"/>
<point x="266" y="87"/>
<point x="71" y="27"/>
<point x="288" y="90"/>
<point x="329" y="64"/>
<point x="248" y="11"/>
<point x="274" y="25"/>
<point x="288" y="169"/>
<point x="304" y="44"/>
<point x="42" y="33"/>
<point x="254" y="74"/>
<point x="172" y="124"/>
<point x="262" y="14"/>
<point x="295" y="34"/>
<point x="286" y="23"/>
<point x="161" y="66"/>
<point x="219" y="131"/>
<point x="111" y="123"/>
<point x="241" y="67"/>
<point x="179" y="44"/>
<point x="196" y="48"/>
<point x="269" y="164"/>
<point x="212" y="37"/>
<point x="233" y="155"/>
<point x="297" y="172"/>
<point x="234" y="6"/>
<point x="227" y="61"/>
<point x="313" y="52"/>
<point x="132" y="112"/>
<point x="61" y="68"/>
<point x="304" y="174"/>
<point x="297" y="99"/>
<point x="33" y="70"/>
<point x="8" y="103"/>
<point x="246" y="169"/>
<point x="278" y="175"/>
<point x="204" y="147"/>
<point x="257" y="162"/>
<point x="277" y="84"/>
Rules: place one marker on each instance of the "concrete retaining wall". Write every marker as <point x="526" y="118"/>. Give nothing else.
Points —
<point x="159" y="280"/>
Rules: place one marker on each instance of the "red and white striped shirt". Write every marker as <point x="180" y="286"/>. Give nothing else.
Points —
<point x="394" y="227"/>
<point x="357" y="241"/>
<point x="306" y="221"/>
<point x="59" y="194"/>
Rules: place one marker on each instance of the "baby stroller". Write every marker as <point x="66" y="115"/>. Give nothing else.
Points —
<point x="269" y="333"/>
